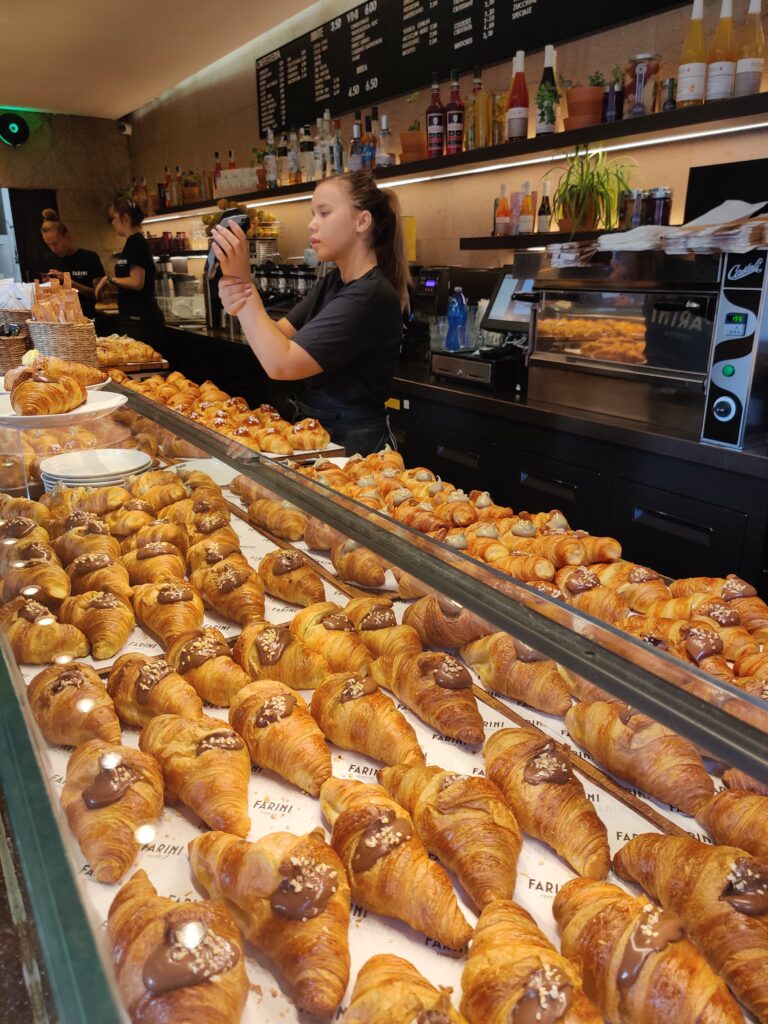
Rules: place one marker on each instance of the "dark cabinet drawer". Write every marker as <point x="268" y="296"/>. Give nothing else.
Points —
<point x="461" y="459"/>
<point x="675" y="534"/>
<point x="534" y="483"/>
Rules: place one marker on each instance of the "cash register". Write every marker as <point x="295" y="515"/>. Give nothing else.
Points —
<point x="502" y="365"/>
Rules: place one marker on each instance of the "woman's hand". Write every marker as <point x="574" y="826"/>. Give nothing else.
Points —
<point x="234" y="293"/>
<point x="57" y="275"/>
<point x="100" y="286"/>
<point x="231" y="249"/>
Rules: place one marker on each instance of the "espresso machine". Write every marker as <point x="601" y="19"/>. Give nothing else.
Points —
<point x="280" y="286"/>
<point x="429" y="300"/>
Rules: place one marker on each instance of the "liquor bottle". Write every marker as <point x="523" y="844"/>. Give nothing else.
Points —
<point x="307" y="155"/>
<point x="721" y="62"/>
<point x="145" y="201"/>
<point x="501" y="216"/>
<point x="482" y="113"/>
<point x="216" y="168"/>
<point x="283" y="165"/>
<point x="692" y="73"/>
<point x="170" y="198"/>
<point x="368" y="145"/>
<point x="355" y="149"/>
<point x="359" y="121"/>
<point x="526" y="221"/>
<point x="545" y="209"/>
<point x="435" y="122"/>
<point x="375" y="126"/>
<point x="454" y="118"/>
<point x="232" y="161"/>
<point x="750" y="53"/>
<point x="318" y="152"/>
<point x="517" y="101"/>
<point x="294" y="158"/>
<point x="258" y="165"/>
<point x="544" y="125"/>
<point x="178" y="185"/>
<point x="270" y="160"/>
<point x="385" y="154"/>
<point x="337" y="152"/>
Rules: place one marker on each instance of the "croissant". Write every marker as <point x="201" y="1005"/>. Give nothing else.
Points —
<point x="139" y="485"/>
<point x="212" y="526"/>
<point x="635" y="960"/>
<point x="184" y="511"/>
<point x="581" y="587"/>
<point x="196" y="478"/>
<point x="326" y="629"/>
<point x="645" y="753"/>
<point x="155" y="562"/>
<point x="233" y="591"/>
<point x="110" y="792"/>
<point x="357" y="564"/>
<point x="24" y="508"/>
<point x="560" y="549"/>
<point x="205" y="765"/>
<point x="131" y="517"/>
<point x="99" y="571"/>
<point x="249" y="490"/>
<point x="92" y="539"/>
<point x="70" y="706"/>
<point x="39" y="578"/>
<point x="514" y="974"/>
<point x="266" y="651"/>
<point x="441" y="622"/>
<point x="354" y="714"/>
<point x="456" y="510"/>
<point x="106" y="620"/>
<point x="17" y="528"/>
<point x="389" y="989"/>
<point x="271" y="439"/>
<point x="720" y="894"/>
<point x="438" y="688"/>
<point x="638" y="585"/>
<point x="281" y="734"/>
<point x="308" y="435"/>
<point x="288" y="576"/>
<point x="318" y="536"/>
<point x="203" y="658"/>
<point x="526" y="567"/>
<point x="290" y="897"/>
<point x="206" y="553"/>
<point x="535" y="775"/>
<point x="25" y="551"/>
<point x="374" y="619"/>
<point x="389" y="869"/>
<point x="142" y="687"/>
<point x="464" y="821"/>
<point x="738" y="818"/>
<point x="158" y="977"/>
<point x="168" y="609"/>
<point x="735" y="779"/>
<point x="516" y="670"/>
<point x="409" y="587"/>
<point x="157" y="532"/>
<point x="753" y="611"/>
<point x="413" y="513"/>
<point x="103" y="499"/>
<point x="56" y="367"/>
<point x="35" y="393"/>
<point x="280" y="518"/>
<point x="35" y="636"/>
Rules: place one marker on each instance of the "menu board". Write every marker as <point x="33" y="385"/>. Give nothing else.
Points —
<point x="384" y="48"/>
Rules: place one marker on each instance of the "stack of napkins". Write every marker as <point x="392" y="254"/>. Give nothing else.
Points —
<point x="14" y="294"/>
<point x="730" y="227"/>
<point x="571" y="254"/>
<point x="641" y="239"/>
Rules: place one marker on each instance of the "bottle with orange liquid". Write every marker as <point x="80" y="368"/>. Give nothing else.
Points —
<point x="750" y="53"/>
<point x="501" y="213"/>
<point x="692" y="73"/>
<point x="721" y="63"/>
<point x="517" y="101"/>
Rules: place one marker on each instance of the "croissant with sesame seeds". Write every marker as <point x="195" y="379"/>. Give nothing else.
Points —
<point x="270" y="651"/>
<point x="203" y="659"/>
<point x="290" y="897"/>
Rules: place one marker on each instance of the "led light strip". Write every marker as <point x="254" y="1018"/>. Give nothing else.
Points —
<point x="491" y="168"/>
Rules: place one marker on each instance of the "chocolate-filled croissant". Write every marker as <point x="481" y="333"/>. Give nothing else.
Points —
<point x="155" y="562"/>
<point x="99" y="571"/>
<point x="203" y="658"/>
<point x="94" y="538"/>
<point x="35" y="393"/>
<point x="376" y="625"/>
<point x="288" y="576"/>
<point x="234" y="591"/>
<point x="105" y="618"/>
<point x="35" y="635"/>
<point x="38" y="578"/>
<point x="70" y="705"/>
<point x="142" y="687"/>
<point x="168" y="609"/>
<point x="157" y="532"/>
<point x="267" y="651"/>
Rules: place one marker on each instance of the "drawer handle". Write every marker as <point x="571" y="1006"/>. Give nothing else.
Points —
<point x="679" y="528"/>
<point x="458" y="455"/>
<point x="554" y="488"/>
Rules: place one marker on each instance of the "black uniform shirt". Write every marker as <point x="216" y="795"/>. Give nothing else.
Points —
<point x="136" y="254"/>
<point x="85" y="267"/>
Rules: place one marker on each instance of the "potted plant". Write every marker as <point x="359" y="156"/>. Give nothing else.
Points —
<point x="413" y="141"/>
<point x="613" y="96"/>
<point x="546" y="100"/>
<point x="588" y="192"/>
<point x="585" y="102"/>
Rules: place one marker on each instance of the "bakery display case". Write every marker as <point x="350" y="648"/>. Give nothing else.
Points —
<point x="325" y="724"/>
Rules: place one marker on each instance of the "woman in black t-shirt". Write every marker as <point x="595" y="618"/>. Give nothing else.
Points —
<point x="83" y="265"/>
<point x="343" y="339"/>
<point x="139" y="315"/>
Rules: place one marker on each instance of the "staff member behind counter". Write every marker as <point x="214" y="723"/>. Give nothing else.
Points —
<point x="343" y="338"/>
<point x="84" y="266"/>
<point x="139" y="315"/>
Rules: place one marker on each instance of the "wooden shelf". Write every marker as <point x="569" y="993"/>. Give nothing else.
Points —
<point x="649" y="125"/>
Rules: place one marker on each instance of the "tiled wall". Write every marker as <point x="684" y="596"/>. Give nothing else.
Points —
<point x="85" y="160"/>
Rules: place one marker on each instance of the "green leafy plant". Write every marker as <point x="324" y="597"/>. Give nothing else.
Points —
<point x="547" y="98"/>
<point x="596" y="78"/>
<point x="617" y="75"/>
<point x="588" y="191"/>
<point x="415" y="124"/>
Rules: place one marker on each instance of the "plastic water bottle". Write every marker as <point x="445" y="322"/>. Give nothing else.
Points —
<point x="455" y="339"/>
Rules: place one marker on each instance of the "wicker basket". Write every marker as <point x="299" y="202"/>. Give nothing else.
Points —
<point x="12" y="349"/>
<point x="76" y="342"/>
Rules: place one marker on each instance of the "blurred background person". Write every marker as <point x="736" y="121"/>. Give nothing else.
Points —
<point x="83" y="265"/>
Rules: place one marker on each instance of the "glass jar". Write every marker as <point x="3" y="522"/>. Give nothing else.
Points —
<point x="659" y="206"/>
<point x="613" y="103"/>
<point x="641" y="74"/>
<point x="632" y="209"/>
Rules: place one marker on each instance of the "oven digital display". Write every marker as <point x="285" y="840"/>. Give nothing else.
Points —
<point x="735" y="325"/>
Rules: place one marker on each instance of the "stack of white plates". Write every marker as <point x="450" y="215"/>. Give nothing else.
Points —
<point x="96" y="467"/>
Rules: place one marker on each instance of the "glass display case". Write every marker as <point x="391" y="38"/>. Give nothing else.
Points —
<point x="567" y="636"/>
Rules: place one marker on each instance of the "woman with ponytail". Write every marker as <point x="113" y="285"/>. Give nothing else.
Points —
<point x="343" y="339"/>
<point x="84" y="266"/>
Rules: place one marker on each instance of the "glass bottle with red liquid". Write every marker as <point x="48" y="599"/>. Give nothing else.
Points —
<point x="435" y="122"/>
<point x="454" y="118"/>
<point x="517" y="101"/>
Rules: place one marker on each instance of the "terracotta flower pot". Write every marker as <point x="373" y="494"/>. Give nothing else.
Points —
<point x="414" y="146"/>
<point x="585" y="101"/>
<point x="567" y="222"/>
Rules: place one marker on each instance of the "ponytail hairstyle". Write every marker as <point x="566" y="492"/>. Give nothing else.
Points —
<point x="386" y="229"/>
<point x="129" y="208"/>
<point x="51" y="222"/>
